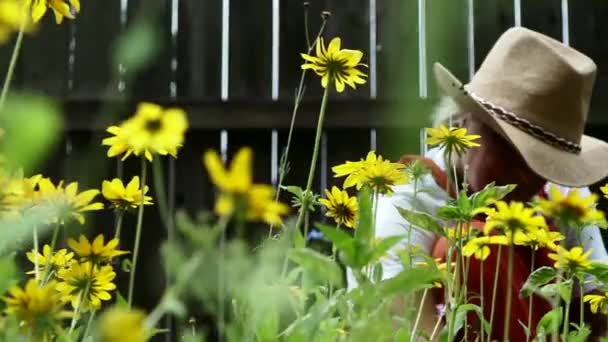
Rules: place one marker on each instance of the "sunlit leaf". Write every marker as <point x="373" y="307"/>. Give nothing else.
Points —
<point x="538" y="278"/>
<point x="422" y="220"/>
<point x="317" y="265"/>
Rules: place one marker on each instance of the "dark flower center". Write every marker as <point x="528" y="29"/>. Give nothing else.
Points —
<point x="153" y="126"/>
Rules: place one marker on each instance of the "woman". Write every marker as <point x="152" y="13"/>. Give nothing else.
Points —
<point x="528" y="102"/>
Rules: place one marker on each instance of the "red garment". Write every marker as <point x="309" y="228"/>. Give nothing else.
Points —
<point x="484" y="272"/>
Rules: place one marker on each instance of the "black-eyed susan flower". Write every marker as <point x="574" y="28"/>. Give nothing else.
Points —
<point x="479" y="246"/>
<point x="513" y="217"/>
<point x="86" y="284"/>
<point x="452" y="139"/>
<point x="375" y="171"/>
<point x="38" y="308"/>
<point x="122" y="325"/>
<point x="11" y="16"/>
<point x="61" y="8"/>
<point x="152" y="130"/>
<point x="67" y="200"/>
<point x="538" y="238"/>
<point x="341" y="207"/>
<point x="572" y="209"/>
<point x="96" y="252"/>
<point x="53" y="260"/>
<point x="237" y="189"/>
<point x="597" y="302"/>
<point x="336" y="65"/>
<point x="125" y="197"/>
<point x="573" y="260"/>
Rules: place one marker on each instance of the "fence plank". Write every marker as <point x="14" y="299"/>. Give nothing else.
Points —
<point x="43" y="63"/>
<point x="199" y="49"/>
<point x="587" y="34"/>
<point x="492" y="18"/>
<point x="250" y="49"/>
<point x="543" y="16"/>
<point x="97" y="28"/>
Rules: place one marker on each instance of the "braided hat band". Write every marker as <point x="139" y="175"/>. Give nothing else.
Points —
<point x="526" y="126"/>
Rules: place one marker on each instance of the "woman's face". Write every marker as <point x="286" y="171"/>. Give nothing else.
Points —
<point x="496" y="160"/>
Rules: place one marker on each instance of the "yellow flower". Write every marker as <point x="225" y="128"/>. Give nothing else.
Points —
<point x="538" y="238"/>
<point x="479" y="246"/>
<point x="334" y="64"/>
<point x="452" y="139"/>
<point x="96" y="252"/>
<point x="86" y="282"/>
<point x="11" y="16"/>
<point x="61" y="8"/>
<point x="513" y="217"/>
<point x="572" y="260"/>
<point x="341" y="207"/>
<point x="572" y="209"/>
<point x="597" y="302"/>
<point x="238" y="191"/>
<point x="376" y="172"/>
<point x="68" y="201"/>
<point x="122" y="197"/>
<point x="152" y="130"/>
<point x="38" y="308"/>
<point x="237" y="178"/>
<point x="122" y="325"/>
<point x="604" y="190"/>
<point x="53" y="260"/>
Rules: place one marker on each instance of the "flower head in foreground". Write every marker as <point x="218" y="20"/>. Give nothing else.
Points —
<point x="68" y="201"/>
<point x="122" y="197"/>
<point x="38" y="308"/>
<point x="152" y="130"/>
<point x="335" y="64"/>
<point x="238" y="191"/>
<point x="479" y="246"/>
<point x="572" y="260"/>
<point x="451" y="139"/>
<point x="538" y="238"/>
<point x="87" y="282"/>
<point x="122" y="325"/>
<point x="54" y="261"/>
<point x="61" y="8"/>
<point x="96" y="252"/>
<point x="513" y="217"/>
<point x="572" y="209"/>
<point x="11" y="16"/>
<point x="597" y="302"/>
<point x="376" y="172"/>
<point x="343" y="208"/>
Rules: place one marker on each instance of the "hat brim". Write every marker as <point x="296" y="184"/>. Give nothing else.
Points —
<point x="556" y="165"/>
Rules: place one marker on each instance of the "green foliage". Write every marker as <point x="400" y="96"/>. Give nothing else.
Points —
<point x="422" y="220"/>
<point x="466" y="207"/>
<point x="538" y="278"/>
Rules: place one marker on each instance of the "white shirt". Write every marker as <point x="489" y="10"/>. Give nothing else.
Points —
<point x="389" y="222"/>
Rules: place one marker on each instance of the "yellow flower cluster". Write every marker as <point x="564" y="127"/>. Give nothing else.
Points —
<point x="343" y="208"/>
<point x="451" y="139"/>
<point x="125" y="197"/>
<point x="61" y="8"/>
<point x="238" y="192"/>
<point x="152" y="130"/>
<point x="373" y="171"/>
<point x="572" y="209"/>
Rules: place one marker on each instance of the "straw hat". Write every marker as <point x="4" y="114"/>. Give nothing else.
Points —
<point x="535" y="91"/>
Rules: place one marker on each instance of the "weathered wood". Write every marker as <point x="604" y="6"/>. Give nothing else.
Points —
<point x="492" y="18"/>
<point x="199" y="50"/>
<point x="543" y="16"/>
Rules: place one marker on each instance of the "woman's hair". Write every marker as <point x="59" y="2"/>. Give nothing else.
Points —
<point x="447" y="112"/>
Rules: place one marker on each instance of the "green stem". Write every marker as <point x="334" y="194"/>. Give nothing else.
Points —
<point x="54" y="238"/>
<point x="582" y="303"/>
<point x="494" y="288"/>
<point x="420" y="308"/>
<point x="315" y="154"/>
<point x="159" y="191"/>
<point x="435" y="329"/>
<point x="13" y="63"/>
<point x="89" y="323"/>
<point x="566" y="321"/>
<point x="81" y="298"/>
<point x="481" y="294"/>
<point x="140" y="217"/>
<point x="297" y="101"/>
<point x="36" y="266"/>
<point x="119" y="217"/>
<point x="507" y="321"/>
<point x="531" y="300"/>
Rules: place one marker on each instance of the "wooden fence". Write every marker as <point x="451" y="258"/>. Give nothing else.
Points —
<point x="234" y="66"/>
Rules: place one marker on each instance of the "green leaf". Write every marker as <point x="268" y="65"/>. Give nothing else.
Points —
<point x="377" y="273"/>
<point x="490" y="194"/>
<point x="422" y="220"/>
<point x="461" y="312"/>
<point x="365" y="230"/>
<point x="580" y="334"/>
<point x="403" y="334"/>
<point x="8" y="273"/>
<point x="317" y="265"/>
<point x="538" y="278"/>
<point x="408" y="281"/>
<point x="384" y="245"/>
<point x="30" y="128"/>
<point x="464" y="203"/>
<point x="449" y="212"/>
<point x="138" y="46"/>
<point x="565" y="290"/>
<point x="121" y="302"/>
<point x="342" y="241"/>
<point x="550" y="322"/>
